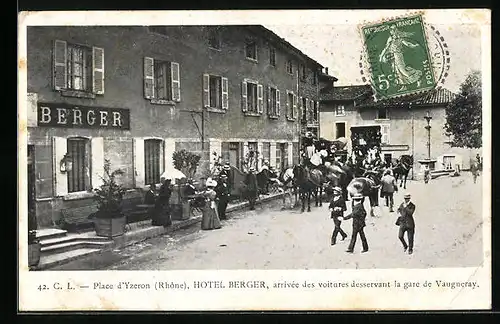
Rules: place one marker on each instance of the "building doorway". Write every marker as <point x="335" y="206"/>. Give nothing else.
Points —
<point x="339" y="129"/>
<point x="31" y="184"/>
<point x="234" y="154"/>
<point x="388" y="158"/>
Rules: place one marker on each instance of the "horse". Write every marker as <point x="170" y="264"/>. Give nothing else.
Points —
<point x="368" y="187"/>
<point x="309" y="182"/>
<point x="402" y="168"/>
<point x="264" y="179"/>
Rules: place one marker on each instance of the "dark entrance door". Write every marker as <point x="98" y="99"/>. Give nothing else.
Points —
<point x="31" y="187"/>
<point x="388" y="158"/>
<point x="234" y="154"/>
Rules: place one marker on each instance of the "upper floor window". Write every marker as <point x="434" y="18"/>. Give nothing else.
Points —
<point x="161" y="80"/>
<point x="382" y="113"/>
<point x="305" y="103"/>
<point x="291" y="105"/>
<point x="315" y="109"/>
<point x="251" y="49"/>
<point x="273" y="102"/>
<point x="214" y="39"/>
<point x="303" y="72"/>
<point x="272" y="56"/>
<point x="289" y="66"/>
<point x="340" y="110"/>
<point x="215" y="91"/>
<point x="252" y="101"/>
<point x="78" y="68"/>
<point x="315" y="77"/>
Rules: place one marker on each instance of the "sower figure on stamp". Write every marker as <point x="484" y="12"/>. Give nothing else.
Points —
<point x="406" y="223"/>
<point x="358" y="216"/>
<point x="337" y="208"/>
<point x="223" y="195"/>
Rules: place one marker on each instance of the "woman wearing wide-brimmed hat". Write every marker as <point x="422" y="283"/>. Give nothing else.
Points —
<point x="210" y="219"/>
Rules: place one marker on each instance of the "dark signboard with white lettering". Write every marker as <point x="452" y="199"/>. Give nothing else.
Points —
<point x="71" y="116"/>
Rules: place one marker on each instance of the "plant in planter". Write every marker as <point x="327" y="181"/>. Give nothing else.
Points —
<point x="109" y="220"/>
<point x="187" y="163"/>
<point x="34" y="246"/>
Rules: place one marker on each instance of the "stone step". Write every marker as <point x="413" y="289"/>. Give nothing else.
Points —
<point x="50" y="233"/>
<point x="56" y="259"/>
<point x="67" y="239"/>
<point x="72" y="245"/>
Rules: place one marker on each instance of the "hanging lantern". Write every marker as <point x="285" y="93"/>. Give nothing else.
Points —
<point x="66" y="164"/>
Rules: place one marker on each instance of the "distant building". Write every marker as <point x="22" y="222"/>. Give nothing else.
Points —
<point x="134" y="95"/>
<point x="347" y="110"/>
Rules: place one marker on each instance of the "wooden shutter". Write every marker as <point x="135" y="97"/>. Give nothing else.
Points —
<point x="206" y="90"/>
<point x="149" y="78"/>
<point x="98" y="70"/>
<point x="59" y="146"/>
<point x="43" y="171"/>
<point x="175" y="78"/>
<point x="287" y="105"/>
<point x="225" y="93"/>
<point x="307" y="109"/>
<point x="244" y="96"/>
<point x="278" y="105"/>
<point x="299" y="107"/>
<point x="60" y="74"/>
<point x="139" y="165"/>
<point x="294" y="110"/>
<point x="260" y="98"/>
<point x="268" y="97"/>
<point x="97" y="166"/>
<point x="168" y="151"/>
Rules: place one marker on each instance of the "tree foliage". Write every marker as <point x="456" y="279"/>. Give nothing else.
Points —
<point x="464" y="114"/>
<point x="187" y="162"/>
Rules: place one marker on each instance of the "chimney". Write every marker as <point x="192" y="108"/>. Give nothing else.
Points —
<point x="326" y="70"/>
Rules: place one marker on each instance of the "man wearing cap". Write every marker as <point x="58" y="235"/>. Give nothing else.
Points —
<point x="252" y="188"/>
<point x="337" y="208"/>
<point x="358" y="216"/>
<point x="406" y="223"/>
<point x="223" y="195"/>
<point x="226" y="169"/>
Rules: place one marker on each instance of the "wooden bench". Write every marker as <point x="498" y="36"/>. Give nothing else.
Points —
<point x="77" y="218"/>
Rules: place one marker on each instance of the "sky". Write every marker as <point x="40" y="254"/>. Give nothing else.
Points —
<point x="339" y="47"/>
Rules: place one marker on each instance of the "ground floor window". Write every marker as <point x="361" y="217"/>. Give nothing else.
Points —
<point x="449" y="162"/>
<point x="282" y="156"/>
<point x="152" y="156"/>
<point x="339" y="130"/>
<point x="78" y="152"/>
<point x="266" y="151"/>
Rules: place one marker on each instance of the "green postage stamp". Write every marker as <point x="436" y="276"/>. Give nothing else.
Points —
<point x="398" y="57"/>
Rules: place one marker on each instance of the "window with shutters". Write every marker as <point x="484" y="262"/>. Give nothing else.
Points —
<point x="303" y="73"/>
<point x="282" y="156"/>
<point x="252" y="97"/>
<point x="78" y="151"/>
<point x="339" y="110"/>
<point x="266" y="151"/>
<point x="251" y="50"/>
<point x="214" y="38"/>
<point x="315" y="110"/>
<point x="152" y="157"/>
<point x="215" y="93"/>
<point x="314" y="78"/>
<point x="272" y="56"/>
<point x="272" y="102"/>
<point x="289" y="66"/>
<point x="78" y="70"/>
<point x="304" y="109"/>
<point x="291" y="104"/>
<point x="161" y="81"/>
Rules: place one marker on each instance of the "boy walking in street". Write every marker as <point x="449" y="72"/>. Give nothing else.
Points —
<point x="337" y="208"/>
<point x="358" y="216"/>
<point x="406" y="223"/>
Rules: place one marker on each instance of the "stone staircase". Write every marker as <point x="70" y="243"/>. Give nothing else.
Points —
<point x="57" y="246"/>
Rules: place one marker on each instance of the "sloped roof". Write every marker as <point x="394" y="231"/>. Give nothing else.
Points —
<point x="344" y="92"/>
<point x="438" y="96"/>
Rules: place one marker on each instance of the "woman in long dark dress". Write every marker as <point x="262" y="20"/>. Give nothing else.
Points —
<point x="162" y="205"/>
<point x="210" y="219"/>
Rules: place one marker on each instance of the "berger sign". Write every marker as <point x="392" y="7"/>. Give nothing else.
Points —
<point x="71" y="116"/>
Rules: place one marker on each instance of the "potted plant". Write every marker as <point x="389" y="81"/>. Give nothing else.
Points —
<point x="34" y="246"/>
<point x="109" y="220"/>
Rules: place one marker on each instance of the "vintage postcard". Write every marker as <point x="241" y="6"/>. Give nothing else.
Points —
<point x="254" y="160"/>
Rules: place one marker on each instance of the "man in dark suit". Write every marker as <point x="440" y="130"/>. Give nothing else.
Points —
<point x="226" y="170"/>
<point x="406" y="223"/>
<point x="358" y="216"/>
<point x="337" y="208"/>
<point x="223" y="194"/>
<point x="252" y="187"/>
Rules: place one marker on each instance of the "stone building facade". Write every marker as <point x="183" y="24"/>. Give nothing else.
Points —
<point x="401" y="121"/>
<point x="134" y="95"/>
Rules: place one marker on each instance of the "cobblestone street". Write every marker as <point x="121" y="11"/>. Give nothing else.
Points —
<point x="448" y="234"/>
